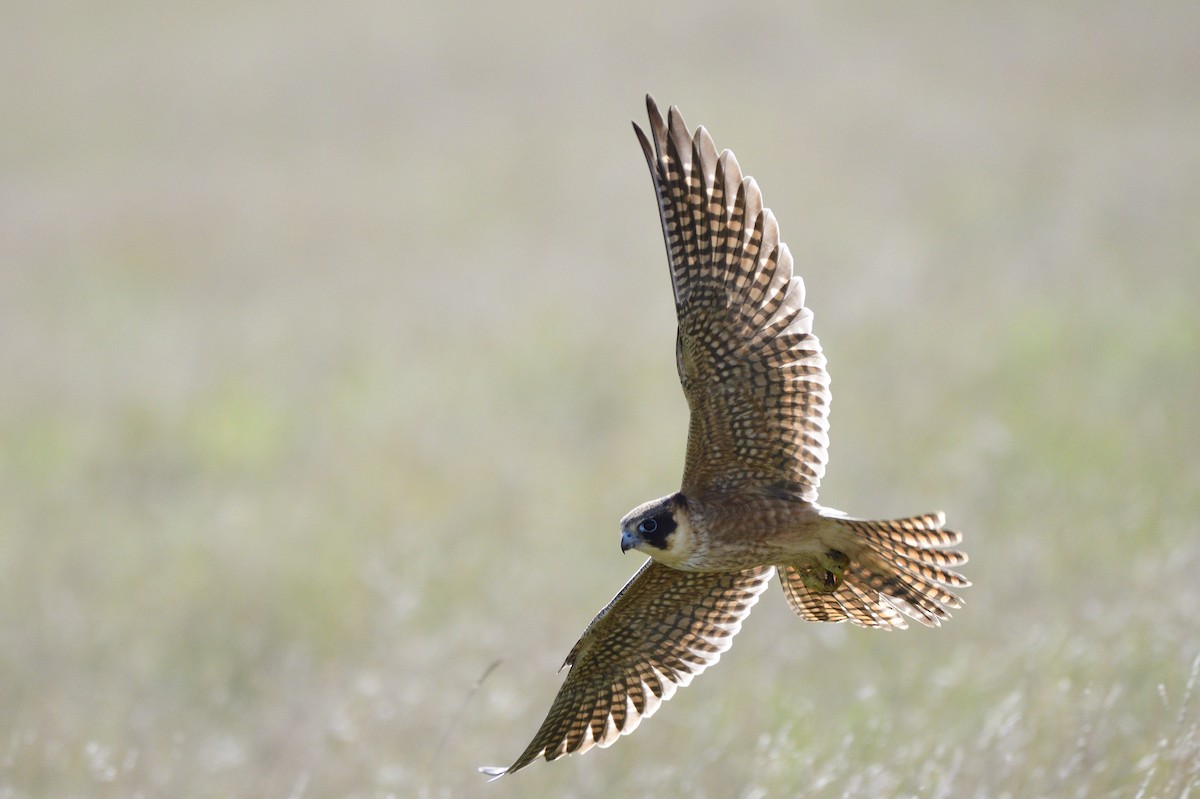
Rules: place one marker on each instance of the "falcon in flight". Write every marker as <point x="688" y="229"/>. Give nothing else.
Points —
<point x="755" y="380"/>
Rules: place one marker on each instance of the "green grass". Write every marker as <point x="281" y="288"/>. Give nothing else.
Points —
<point x="334" y="346"/>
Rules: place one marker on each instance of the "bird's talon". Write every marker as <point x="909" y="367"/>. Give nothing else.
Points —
<point x="826" y="574"/>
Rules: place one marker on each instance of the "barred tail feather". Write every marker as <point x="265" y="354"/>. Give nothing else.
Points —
<point x="900" y="566"/>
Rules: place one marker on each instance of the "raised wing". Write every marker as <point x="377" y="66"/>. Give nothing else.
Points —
<point x="662" y="629"/>
<point x="753" y="372"/>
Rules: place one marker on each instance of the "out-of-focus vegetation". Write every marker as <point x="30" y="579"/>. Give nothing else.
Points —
<point x="335" y="340"/>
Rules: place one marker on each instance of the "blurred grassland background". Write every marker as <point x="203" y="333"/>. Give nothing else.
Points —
<point x="336" y="338"/>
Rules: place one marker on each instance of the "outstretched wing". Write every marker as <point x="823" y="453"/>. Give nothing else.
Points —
<point x="662" y="629"/>
<point x="753" y="372"/>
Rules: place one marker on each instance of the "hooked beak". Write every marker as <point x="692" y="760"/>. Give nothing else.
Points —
<point x="628" y="541"/>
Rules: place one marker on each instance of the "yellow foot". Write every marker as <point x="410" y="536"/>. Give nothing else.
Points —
<point x="824" y="572"/>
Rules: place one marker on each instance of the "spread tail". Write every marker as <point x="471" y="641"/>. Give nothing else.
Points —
<point x="894" y="567"/>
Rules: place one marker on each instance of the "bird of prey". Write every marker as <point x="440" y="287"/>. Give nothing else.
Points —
<point x="756" y="385"/>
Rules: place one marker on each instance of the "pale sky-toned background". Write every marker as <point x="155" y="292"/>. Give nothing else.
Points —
<point x="336" y="338"/>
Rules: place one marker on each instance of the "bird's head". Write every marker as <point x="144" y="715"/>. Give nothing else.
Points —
<point x="660" y="529"/>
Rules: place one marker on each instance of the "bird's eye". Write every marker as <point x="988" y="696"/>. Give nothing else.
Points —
<point x="648" y="526"/>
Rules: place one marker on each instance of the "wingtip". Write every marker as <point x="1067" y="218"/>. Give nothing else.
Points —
<point x="641" y="134"/>
<point x="644" y="140"/>
<point x="675" y="121"/>
<point x="494" y="772"/>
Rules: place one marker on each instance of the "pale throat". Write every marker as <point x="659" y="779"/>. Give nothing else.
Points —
<point x="683" y="545"/>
